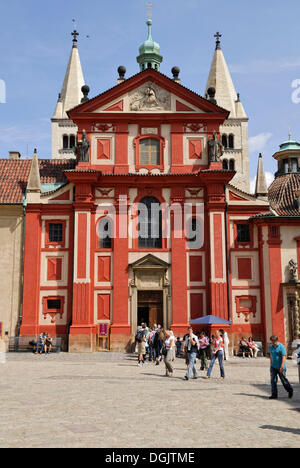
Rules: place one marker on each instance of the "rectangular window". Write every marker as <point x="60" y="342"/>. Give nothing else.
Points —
<point x="55" y="232"/>
<point x="243" y="233"/>
<point x="150" y="152"/>
<point x="54" y="304"/>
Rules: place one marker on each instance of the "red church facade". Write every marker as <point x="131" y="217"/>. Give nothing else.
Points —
<point x="148" y="144"/>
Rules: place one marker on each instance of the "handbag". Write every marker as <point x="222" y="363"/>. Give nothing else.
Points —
<point x="164" y="351"/>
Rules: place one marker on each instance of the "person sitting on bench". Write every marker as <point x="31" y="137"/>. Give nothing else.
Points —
<point x="40" y="347"/>
<point x="48" y="343"/>
<point x="244" y="347"/>
<point x="253" y="348"/>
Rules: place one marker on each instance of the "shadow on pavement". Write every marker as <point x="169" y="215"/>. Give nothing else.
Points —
<point x="282" y="429"/>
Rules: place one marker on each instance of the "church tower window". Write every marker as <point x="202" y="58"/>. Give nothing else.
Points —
<point x="225" y="164"/>
<point x="231" y="141"/>
<point x="65" y="142"/>
<point x="224" y="141"/>
<point x="72" y="141"/>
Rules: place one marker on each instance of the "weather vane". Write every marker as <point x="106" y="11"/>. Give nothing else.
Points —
<point x="149" y="6"/>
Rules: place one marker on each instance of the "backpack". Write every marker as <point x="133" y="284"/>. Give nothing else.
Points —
<point x="139" y="336"/>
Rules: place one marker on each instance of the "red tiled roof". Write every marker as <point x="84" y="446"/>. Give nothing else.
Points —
<point x="14" y="176"/>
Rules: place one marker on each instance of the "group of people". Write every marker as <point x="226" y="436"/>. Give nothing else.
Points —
<point x="44" y="344"/>
<point x="161" y="344"/>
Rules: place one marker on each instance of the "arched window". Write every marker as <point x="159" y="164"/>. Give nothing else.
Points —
<point x="224" y="141"/>
<point x="72" y="141"/>
<point x="150" y="224"/>
<point x="225" y="164"/>
<point x="194" y="234"/>
<point x="65" y="142"/>
<point x="104" y="232"/>
<point x="232" y="165"/>
<point x="149" y="152"/>
<point x="231" y="141"/>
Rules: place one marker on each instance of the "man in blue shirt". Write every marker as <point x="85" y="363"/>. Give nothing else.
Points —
<point x="278" y="368"/>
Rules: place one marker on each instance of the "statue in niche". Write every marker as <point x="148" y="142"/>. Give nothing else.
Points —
<point x="84" y="144"/>
<point x="215" y="149"/>
<point x="293" y="271"/>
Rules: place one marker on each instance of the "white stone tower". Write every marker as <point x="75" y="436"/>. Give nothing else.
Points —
<point x="63" y="129"/>
<point x="235" y="129"/>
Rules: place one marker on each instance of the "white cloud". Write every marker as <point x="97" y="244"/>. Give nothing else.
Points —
<point x="269" y="179"/>
<point x="258" y="142"/>
<point x="24" y="133"/>
<point x="266" y="66"/>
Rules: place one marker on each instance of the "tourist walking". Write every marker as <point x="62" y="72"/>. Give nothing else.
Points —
<point x="191" y="349"/>
<point x="141" y="344"/>
<point x="169" y="353"/>
<point x="203" y="350"/>
<point x="150" y="345"/>
<point x="278" y="368"/>
<point x="217" y="353"/>
<point x="157" y="346"/>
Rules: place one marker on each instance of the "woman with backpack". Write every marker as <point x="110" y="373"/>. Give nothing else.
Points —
<point x="140" y="338"/>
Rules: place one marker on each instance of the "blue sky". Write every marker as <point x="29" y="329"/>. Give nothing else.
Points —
<point x="260" y="42"/>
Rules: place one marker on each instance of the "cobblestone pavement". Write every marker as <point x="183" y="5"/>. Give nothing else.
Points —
<point x="105" y="400"/>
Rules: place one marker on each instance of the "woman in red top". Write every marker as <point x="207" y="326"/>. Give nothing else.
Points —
<point x="218" y="346"/>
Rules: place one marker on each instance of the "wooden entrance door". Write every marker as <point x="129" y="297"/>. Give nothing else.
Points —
<point x="153" y="300"/>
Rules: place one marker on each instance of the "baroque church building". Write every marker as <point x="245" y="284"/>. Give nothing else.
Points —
<point x="144" y="213"/>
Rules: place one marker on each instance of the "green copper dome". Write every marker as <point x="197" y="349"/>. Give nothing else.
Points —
<point x="289" y="145"/>
<point x="149" y="52"/>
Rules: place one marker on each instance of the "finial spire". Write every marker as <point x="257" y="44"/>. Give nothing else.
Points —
<point x="290" y="134"/>
<point x="149" y="8"/>
<point x="218" y="42"/>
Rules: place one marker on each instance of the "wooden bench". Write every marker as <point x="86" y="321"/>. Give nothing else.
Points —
<point x="25" y="344"/>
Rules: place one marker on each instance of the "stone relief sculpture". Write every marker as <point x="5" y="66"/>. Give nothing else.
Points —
<point x="293" y="271"/>
<point x="215" y="149"/>
<point x="150" y="97"/>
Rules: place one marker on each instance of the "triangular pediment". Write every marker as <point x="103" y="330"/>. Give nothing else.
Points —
<point x="148" y="92"/>
<point x="150" y="261"/>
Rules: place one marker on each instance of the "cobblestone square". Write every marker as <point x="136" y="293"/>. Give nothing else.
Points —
<point x="105" y="400"/>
